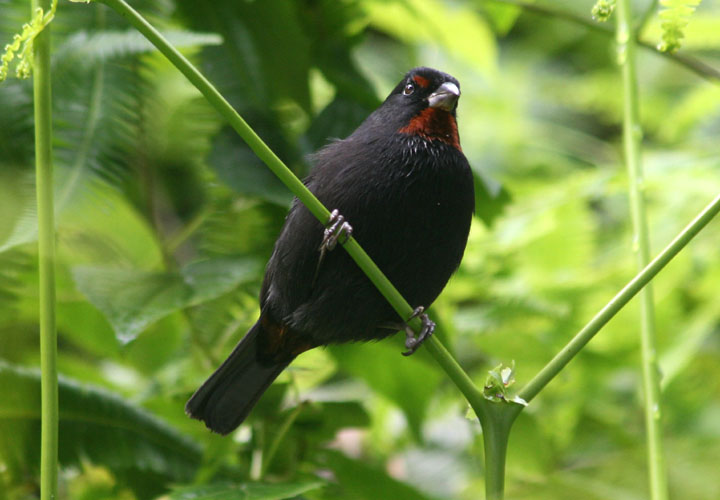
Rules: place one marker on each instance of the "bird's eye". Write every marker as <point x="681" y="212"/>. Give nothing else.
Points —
<point x="409" y="89"/>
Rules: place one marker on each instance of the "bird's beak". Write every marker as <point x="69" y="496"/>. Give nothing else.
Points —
<point x="445" y="97"/>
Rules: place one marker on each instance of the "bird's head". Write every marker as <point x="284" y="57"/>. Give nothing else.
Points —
<point x="424" y="88"/>
<point x="422" y="105"/>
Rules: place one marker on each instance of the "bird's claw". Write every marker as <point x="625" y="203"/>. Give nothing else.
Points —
<point x="335" y="229"/>
<point x="428" y="327"/>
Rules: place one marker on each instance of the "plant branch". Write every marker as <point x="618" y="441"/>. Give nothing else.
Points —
<point x="632" y="137"/>
<point x="46" y="260"/>
<point x="619" y="301"/>
<point x="695" y="65"/>
<point x="459" y="377"/>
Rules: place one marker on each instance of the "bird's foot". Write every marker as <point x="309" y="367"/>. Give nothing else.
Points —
<point x="428" y="327"/>
<point x="336" y="229"/>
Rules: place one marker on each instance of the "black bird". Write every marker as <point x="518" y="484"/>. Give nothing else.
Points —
<point x="403" y="183"/>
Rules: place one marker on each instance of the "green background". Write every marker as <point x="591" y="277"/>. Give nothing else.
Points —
<point x="165" y="220"/>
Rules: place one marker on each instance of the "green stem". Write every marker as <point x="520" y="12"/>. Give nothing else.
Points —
<point x="619" y="301"/>
<point x="46" y="261"/>
<point x="496" y="420"/>
<point x="632" y="137"/>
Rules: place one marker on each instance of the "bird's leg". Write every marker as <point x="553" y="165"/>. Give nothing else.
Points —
<point x="335" y="229"/>
<point x="428" y="327"/>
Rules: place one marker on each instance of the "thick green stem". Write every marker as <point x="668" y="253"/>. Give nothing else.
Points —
<point x="46" y="264"/>
<point x="496" y="419"/>
<point x="632" y="137"/>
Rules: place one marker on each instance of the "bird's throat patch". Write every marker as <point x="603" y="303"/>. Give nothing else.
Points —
<point x="434" y="124"/>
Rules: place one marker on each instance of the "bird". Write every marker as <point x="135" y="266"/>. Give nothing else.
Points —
<point x="401" y="186"/>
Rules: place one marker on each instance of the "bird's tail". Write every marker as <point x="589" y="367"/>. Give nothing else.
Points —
<point x="227" y="397"/>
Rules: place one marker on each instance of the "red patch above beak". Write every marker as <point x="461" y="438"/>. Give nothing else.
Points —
<point x="434" y="124"/>
<point x="421" y="80"/>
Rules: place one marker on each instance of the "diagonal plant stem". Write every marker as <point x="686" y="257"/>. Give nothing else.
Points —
<point x="632" y="137"/>
<point x="46" y="261"/>
<point x="624" y="296"/>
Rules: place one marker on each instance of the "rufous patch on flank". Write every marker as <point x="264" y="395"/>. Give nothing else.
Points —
<point x="280" y="343"/>
<point x="421" y="80"/>
<point x="434" y="124"/>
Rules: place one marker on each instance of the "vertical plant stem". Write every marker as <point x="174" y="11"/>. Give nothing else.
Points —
<point x="496" y="420"/>
<point x="632" y="137"/>
<point x="46" y="258"/>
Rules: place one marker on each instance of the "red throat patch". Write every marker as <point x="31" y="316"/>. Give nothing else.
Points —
<point x="434" y="125"/>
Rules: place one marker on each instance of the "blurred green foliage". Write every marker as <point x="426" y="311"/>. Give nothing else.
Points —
<point x="165" y="219"/>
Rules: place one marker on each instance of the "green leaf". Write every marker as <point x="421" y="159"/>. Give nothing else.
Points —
<point x="95" y="425"/>
<point x="322" y="421"/>
<point x="502" y="16"/>
<point x="410" y="383"/>
<point x="497" y="383"/>
<point x="359" y="481"/>
<point x="18" y="223"/>
<point x="238" y="167"/>
<point x="266" y="54"/>
<point x="131" y="300"/>
<point x="490" y="198"/>
<point x="245" y="491"/>
<point x="457" y="28"/>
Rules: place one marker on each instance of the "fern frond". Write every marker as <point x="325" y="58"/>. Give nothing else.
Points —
<point x="674" y="18"/>
<point x="22" y="44"/>
<point x="88" y="48"/>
